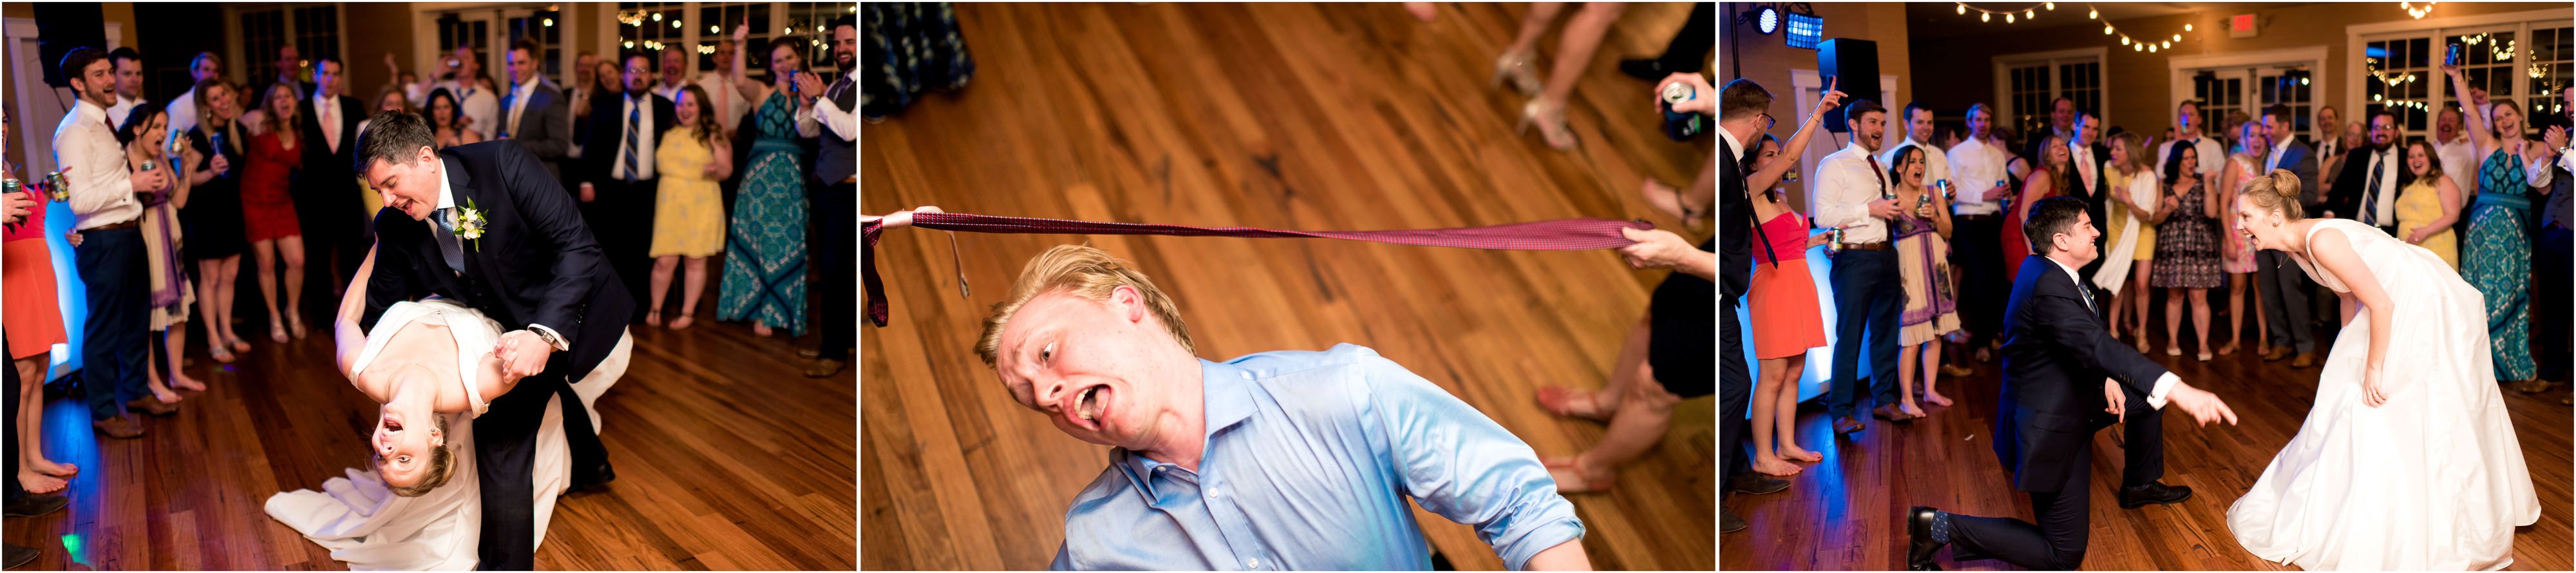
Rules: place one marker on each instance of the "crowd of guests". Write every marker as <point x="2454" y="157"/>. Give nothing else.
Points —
<point x="1927" y="240"/>
<point x="170" y="195"/>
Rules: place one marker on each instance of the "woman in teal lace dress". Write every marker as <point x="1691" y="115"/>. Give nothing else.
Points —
<point x="764" y="268"/>
<point x="2497" y="253"/>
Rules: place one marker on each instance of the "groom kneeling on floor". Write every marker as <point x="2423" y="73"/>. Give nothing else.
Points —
<point x="2055" y="345"/>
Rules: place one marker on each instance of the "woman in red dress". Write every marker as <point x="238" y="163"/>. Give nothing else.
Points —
<point x="2049" y="181"/>
<point x="34" y="322"/>
<point x="268" y="214"/>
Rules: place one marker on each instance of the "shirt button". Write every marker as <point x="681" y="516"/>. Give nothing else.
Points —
<point x="1247" y="375"/>
<point x="1254" y="563"/>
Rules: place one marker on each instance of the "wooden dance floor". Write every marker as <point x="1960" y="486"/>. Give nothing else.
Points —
<point x="1343" y="116"/>
<point x="727" y="457"/>
<point x="1847" y="511"/>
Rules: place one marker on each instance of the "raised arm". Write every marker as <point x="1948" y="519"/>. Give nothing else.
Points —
<point x="346" y="334"/>
<point x="752" y="90"/>
<point x="2479" y="131"/>
<point x="1797" y="145"/>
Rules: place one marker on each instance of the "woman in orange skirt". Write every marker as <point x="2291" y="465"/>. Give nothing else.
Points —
<point x="35" y="324"/>
<point x="1786" y="321"/>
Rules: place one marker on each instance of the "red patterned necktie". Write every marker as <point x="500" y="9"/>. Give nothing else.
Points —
<point x="1551" y="235"/>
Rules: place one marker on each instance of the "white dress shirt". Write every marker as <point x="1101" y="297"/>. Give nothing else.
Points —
<point x="2164" y="384"/>
<point x="842" y="122"/>
<point x="328" y="115"/>
<point x="2210" y="154"/>
<point x="668" y="91"/>
<point x="1936" y="166"/>
<point x="2384" y="162"/>
<point x="1845" y="185"/>
<point x="116" y="113"/>
<point x="518" y="103"/>
<point x="721" y="95"/>
<point x="1733" y="147"/>
<point x="183" y="111"/>
<point x="2459" y="161"/>
<point x="102" y="194"/>
<point x="644" y="142"/>
<point x="477" y="103"/>
<point x="1975" y="167"/>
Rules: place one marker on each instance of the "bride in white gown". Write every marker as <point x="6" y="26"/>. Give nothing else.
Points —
<point x="430" y="364"/>
<point x="2407" y="459"/>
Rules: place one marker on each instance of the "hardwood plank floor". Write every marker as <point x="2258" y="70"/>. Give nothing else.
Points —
<point x="1333" y="116"/>
<point x="727" y="458"/>
<point x="1847" y="511"/>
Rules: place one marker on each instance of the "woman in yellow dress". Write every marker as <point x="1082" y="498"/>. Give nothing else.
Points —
<point x="2428" y="205"/>
<point x="688" y="213"/>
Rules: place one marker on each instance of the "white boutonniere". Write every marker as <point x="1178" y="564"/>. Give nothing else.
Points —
<point x="469" y="224"/>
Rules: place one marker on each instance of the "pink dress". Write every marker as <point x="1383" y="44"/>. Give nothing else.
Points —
<point x="2236" y="246"/>
<point x="1786" y="318"/>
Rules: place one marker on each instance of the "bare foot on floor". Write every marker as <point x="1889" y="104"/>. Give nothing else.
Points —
<point x="1570" y="402"/>
<point x="1792" y="452"/>
<point x="1935" y="397"/>
<point x="183" y="382"/>
<point x="166" y="395"/>
<point x="1774" y="466"/>
<point x="1571" y="477"/>
<point x="39" y="483"/>
<point x="1912" y="410"/>
<point x="52" y="468"/>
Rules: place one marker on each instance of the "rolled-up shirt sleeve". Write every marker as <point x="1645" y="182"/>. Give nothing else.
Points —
<point x="1458" y="463"/>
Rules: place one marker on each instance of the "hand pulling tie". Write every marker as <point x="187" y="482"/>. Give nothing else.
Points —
<point x="1551" y="235"/>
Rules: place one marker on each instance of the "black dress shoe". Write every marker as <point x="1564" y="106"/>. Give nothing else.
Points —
<point x="20" y="555"/>
<point x="1920" y="546"/>
<point x="35" y="505"/>
<point x="2153" y="493"/>
<point x="1755" y="483"/>
<point x="1726" y="522"/>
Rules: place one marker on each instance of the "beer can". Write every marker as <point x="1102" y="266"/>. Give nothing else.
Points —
<point x="1681" y="126"/>
<point x="10" y="185"/>
<point x="58" y="187"/>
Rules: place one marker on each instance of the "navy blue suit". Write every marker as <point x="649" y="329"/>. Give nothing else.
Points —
<point x="2057" y="351"/>
<point x="536" y="263"/>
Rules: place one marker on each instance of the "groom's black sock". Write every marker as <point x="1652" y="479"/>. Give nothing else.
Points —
<point x="1941" y="527"/>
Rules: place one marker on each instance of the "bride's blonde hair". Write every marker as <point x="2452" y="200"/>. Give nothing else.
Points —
<point x="442" y="461"/>
<point x="2278" y="191"/>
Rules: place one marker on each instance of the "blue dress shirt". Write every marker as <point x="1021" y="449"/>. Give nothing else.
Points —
<point x="1309" y="459"/>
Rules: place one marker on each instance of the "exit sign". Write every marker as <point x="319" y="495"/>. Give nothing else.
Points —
<point x="2240" y="26"/>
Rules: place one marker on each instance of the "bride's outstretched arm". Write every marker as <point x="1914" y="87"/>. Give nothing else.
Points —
<point x="2333" y="252"/>
<point x="345" y="332"/>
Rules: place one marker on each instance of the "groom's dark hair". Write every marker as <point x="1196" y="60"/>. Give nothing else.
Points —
<point x="2048" y="217"/>
<point x="395" y="137"/>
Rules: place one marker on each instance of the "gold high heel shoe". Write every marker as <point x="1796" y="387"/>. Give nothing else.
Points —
<point x="1520" y="68"/>
<point x="1551" y="124"/>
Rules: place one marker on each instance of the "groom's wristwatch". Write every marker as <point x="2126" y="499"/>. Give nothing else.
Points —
<point x="548" y="335"/>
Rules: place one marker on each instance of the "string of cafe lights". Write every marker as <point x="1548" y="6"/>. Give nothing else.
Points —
<point x="2090" y="13"/>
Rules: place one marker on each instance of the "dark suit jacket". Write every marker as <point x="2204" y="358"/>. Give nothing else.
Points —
<point x="2354" y="180"/>
<point x="536" y="263"/>
<point x="1735" y="257"/>
<point x="608" y="133"/>
<point x="2301" y="159"/>
<point x="2056" y="353"/>
<point x="545" y="126"/>
<point x="329" y="180"/>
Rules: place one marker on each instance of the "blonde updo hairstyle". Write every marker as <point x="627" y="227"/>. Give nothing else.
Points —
<point x="2275" y="191"/>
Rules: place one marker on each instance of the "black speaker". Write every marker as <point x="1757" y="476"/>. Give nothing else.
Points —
<point x="1855" y="63"/>
<point x="62" y="27"/>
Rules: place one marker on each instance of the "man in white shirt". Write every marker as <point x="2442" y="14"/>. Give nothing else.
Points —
<point x="128" y="67"/>
<point x="111" y="252"/>
<point x="836" y="164"/>
<point x="183" y="111"/>
<point x="2090" y="157"/>
<point x="2457" y="149"/>
<point x="1918" y="131"/>
<point x="1977" y="168"/>
<point x="2330" y="153"/>
<point x="721" y="93"/>
<point x="482" y="108"/>
<point x="618" y="179"/>
<point x="674" y="74"/>
<point x="328" y="201"/>
<point x="1853" y="193"/>
<point x="2187" y="130"/>
<point x="2284" y="289"/>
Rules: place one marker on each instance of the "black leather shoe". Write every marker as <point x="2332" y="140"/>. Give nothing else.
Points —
<point x="35" y="505"/>
<point x="20" y="555"/>
<point x="1729" y="523"/>
<point x="1920" y="546"/>
<point x="1755" y="483"/>
<point x="2152" y="493"/>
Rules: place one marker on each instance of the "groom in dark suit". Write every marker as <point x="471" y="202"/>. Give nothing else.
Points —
<point x="487" y="225"/>
<point x="2056" y="345"/>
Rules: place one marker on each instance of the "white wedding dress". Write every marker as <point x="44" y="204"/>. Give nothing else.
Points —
<point x="2433" y="479"/>
<point x="365" y="525"/>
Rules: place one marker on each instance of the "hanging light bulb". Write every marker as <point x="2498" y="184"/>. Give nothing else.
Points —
<point x="2050" y="5"/>
<point x="2186" y="27"/>
<point x="1985" y="16"/>
<point x="657" y="16"/>
<point x="2092" y="14"/>
<point x="2106" y="29"/>
<point x="1963" y="9"/>
<point x="2008" y="18"/>
<point x="2124" y="40"/>
<point x="2151" y="48"/>
<point x="2167" y="44"/>
<point x="2177" y="37"/>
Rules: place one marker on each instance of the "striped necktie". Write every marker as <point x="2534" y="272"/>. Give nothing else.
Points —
<point x="634" y="114"/>
<point x="1551" y="235"/>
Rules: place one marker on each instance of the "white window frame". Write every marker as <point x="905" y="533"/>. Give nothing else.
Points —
<point x="2182" y="68"/>
<point x="2004" y="63"/>
<point x="2357" y="37"/>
